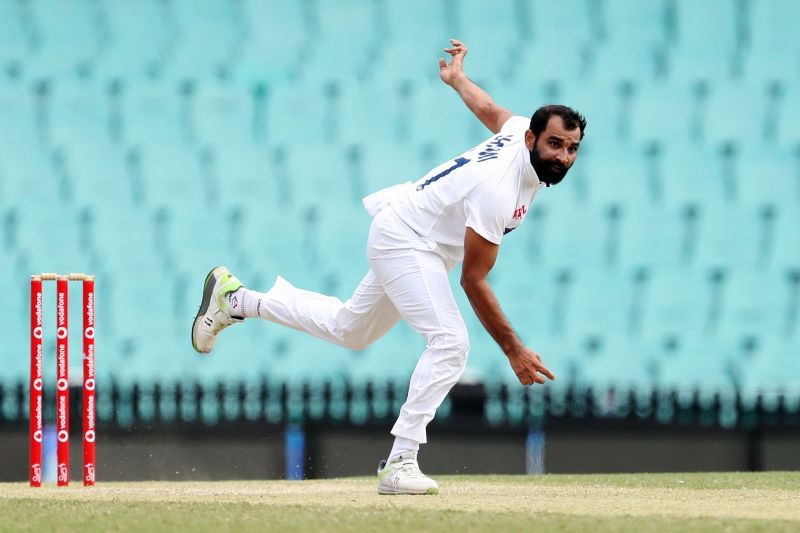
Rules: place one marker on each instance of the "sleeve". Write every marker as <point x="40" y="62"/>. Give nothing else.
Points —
<point x="515" y="124"/>
<point x="484" y="214"/>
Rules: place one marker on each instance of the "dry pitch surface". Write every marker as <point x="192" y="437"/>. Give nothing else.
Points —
<point x="641" y="502"/>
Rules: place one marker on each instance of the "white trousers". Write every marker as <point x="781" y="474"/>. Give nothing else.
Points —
<point x="408" y="280"/>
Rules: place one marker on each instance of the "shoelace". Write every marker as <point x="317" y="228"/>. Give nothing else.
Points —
<point x="411" y="469"/>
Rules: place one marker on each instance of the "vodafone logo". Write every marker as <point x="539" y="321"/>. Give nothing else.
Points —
<point x="61" y="384"/>
<point x="88" y="384"/>
<point x="37" y="384"/>
<point x="89" y="332"/>
<point x="63" y="436"/>
<point x="89" y="476"/>
<point x="89" y="435"/>
<point x="36" y="476"/>
<point x="37" y="332"/>
<point x="62" y="473"/>
<point x="37" y="435"/>
<point x="61" y="332"/>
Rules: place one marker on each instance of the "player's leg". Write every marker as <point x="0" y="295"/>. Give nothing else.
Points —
<point x="419" y="288"/>
<point x="354" y="324"/>
<point x="415" y="279"/>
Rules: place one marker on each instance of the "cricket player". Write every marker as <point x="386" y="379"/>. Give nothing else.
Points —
<point x="459" y="211"/>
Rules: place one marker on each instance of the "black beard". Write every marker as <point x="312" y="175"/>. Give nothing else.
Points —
<point x="550" y="172"/>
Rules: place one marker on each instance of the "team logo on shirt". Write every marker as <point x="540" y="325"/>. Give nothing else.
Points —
<point x="519" y="214"/>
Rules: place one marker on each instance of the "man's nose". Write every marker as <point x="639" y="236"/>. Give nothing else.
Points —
<point x="562" y="157"/>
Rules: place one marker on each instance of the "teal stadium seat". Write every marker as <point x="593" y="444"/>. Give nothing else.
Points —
<point x="676" y="302"/>
<point x="18" y="115"/>
<point x="774" y="51"/>
<point x="493" y="35"/>
<point x="155" y="112"/>
<point x="773" y="374"/>
<point x="788" y="129"/>
<point x="352" y="40"/>
<point x="634" y="36"/>
<point x="768" y="175"/>
<point x="208" y="37"/>
<point x="139" y="39"/>
<point x="664" y="111"/>
<point x="14" y="43"/>
<point x="757" y="304"/>
<point x="699" y="369"/>
<point x="693" y="172"/>
<point x="68" y="38"/>
<point x="80" y="111"/>
<point x="749" y="99"/>
<point x="548" y="27"/>
<point x="695" y="56"/>
<point x="732" y="237"/>
<point x="224" y="114"/>
<point x="277" y="38"/>
<point x="411" y="54"/>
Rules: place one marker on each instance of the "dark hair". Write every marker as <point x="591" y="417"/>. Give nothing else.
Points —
<point x="572" y="119"/>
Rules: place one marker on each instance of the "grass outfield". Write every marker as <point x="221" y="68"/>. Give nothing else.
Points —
<point x="636" y="502"/>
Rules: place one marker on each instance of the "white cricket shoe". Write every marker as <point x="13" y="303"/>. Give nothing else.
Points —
<point x="401" y="475"/>
<point x="214" y="314"/>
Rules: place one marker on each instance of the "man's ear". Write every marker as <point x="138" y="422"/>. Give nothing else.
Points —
<point x="530" y="139"/>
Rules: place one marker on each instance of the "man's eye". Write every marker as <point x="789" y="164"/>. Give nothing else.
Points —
<point x="554" y="144"/>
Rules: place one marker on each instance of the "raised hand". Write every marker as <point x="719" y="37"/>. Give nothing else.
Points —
<point x="449" y="72"/>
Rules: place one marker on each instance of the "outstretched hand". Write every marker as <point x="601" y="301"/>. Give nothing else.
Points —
<point x="450" y="71"/>
<point x="527" y="365"/>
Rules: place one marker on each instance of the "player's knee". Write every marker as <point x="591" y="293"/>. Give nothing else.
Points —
<point x="353" y="340"/>
<point x="359" y="343"/>
<point x="454" y="343"/>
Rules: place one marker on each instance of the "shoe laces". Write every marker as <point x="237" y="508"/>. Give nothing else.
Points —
<point x="410" y="468"/>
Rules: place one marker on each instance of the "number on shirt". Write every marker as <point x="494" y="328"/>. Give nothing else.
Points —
<point x="460" y="162"/>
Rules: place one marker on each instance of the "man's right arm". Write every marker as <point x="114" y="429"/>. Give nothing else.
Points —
<point x="479" y="258"/>
<point x="477" y="100"/>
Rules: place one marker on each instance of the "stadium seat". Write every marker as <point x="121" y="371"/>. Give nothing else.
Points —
<point x="789" y="130"/>
<point x="772" y="374"/>
<point x="664" y="112"/>
<point x="695" y="56"/>
<point x="224" y="114"/>
<point x="207" y="37"/>
<point x="277" y="39"/>
<point x="774" y="50"/>
<point x="748" y="246"/>
<point x="634" y="36"/>
<point x="757" y="304"/>
<point x="750" y="102"/>
<point x="352" y="41"/>
<point x="417" y="33"/>
<point x="68" y="38"/>
<point x="697" y="369"/>
<point x="678" y="303"/>
<point x="156" y="112"/>
<point x="20" y="121"/>
<point x="13" y="38"/>
<point x="139" y="39"/>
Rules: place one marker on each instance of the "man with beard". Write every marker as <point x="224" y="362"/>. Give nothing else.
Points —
<point x="458" y="211"/>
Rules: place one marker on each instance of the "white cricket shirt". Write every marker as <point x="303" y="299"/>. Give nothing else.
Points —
<point x="488" y="188"/>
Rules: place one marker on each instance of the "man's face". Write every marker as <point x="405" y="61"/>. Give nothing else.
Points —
<point x="554" y="151"/>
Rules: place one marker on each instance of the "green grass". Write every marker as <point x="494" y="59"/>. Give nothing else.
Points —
<point x="629" y="502"/>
